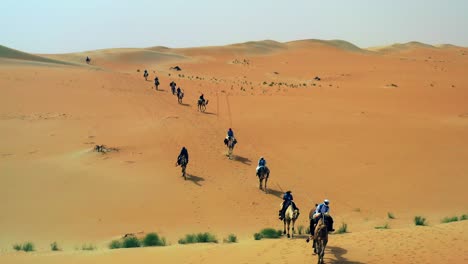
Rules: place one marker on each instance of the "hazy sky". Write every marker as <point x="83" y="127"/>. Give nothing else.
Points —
<point x="55" y="26"/>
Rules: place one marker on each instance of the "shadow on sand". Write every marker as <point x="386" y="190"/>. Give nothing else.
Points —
<point x="184" y="104"/>
<point x="338" y="253"/>
<point x="242" y="160"/>
<point x="208" y="113"/>
<point x="276" y="193"/>
<point x="195" y="179"/>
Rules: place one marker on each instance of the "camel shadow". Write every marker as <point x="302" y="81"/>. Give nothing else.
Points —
<point x="242" y="160"/>
<point x="338" y="253"/>
<point x="209" y="113"/>
<point x="195" y="179"/>
<point x="160" y="90"/>
<point x="274" y="192"/>
<point x="184" y="104"/>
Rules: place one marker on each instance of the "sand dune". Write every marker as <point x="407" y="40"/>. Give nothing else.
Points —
<point x="378" y="133"/>
<point x="9" y="53"/>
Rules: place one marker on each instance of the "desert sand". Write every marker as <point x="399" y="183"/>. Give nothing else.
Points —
<point x="384" y="130"/>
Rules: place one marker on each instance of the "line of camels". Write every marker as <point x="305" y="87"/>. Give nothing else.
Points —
<point x="320" y="238"/>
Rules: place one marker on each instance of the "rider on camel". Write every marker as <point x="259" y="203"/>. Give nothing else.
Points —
<point x="183" y="153"/>
<point x="323" y="210"/>
<point x="287" y="200"/>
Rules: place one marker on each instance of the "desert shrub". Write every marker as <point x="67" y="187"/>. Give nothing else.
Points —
<point x="131" y="242"/>
<point x="390" y="215"/>
<point x="300" y="229"/>
<point x="206" y="238"/>
<point x="114" y="244"/>
<point x="153" y="240"/>
<point x="17" y="247"/>
<point x="343" y="229"/>
<point x="198" y="238"/>
<point x="28" y="246"/>
<point x="386" y="226"/>
<point x="258" y="236"/>
<point x="464" y="217"/>
<point x="231" y="239"/>
<point x="270" y="233"/>
<point x="420" y="221"/>
<point x="450" y="219"/>
<point x="54" y="246"/>
<point x="88" y="247"/>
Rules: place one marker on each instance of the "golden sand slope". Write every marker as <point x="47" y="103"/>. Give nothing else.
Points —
<point x="379" y="133"/>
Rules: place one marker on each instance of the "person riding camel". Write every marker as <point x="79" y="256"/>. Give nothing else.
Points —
<point x="323" y="210"/>
<point x="261" y="164"/>
<point x="88" y="60"/>
<point x="145" y="74"/>
<point x="183" y="153"/>
<point x="230" y="134"/>
<point x="178" y="91"/>
<point x="156" y="82"/>
<point x="287" y="201"/>
<point x="202" y="98"/>
<point x="173" y="87"/>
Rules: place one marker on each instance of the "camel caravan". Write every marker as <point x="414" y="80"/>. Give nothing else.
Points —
<point x="321" y="223"/>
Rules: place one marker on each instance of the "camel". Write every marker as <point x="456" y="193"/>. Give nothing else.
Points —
<point x="290" y="215"/>
<point x="183" y="165"/>
<point x="180" y="96"/>
<point x="231" y="142"/>
<point x="263" y="173"/>
<point x="320" y="238"/>
<point x="202" y="105"/>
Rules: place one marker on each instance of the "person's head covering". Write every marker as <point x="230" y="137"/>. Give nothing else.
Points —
<point x="288" y="192"/>
<point x="326" y="201"/>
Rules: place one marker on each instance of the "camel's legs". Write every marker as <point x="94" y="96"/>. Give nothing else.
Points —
<point x="266" y="179"/>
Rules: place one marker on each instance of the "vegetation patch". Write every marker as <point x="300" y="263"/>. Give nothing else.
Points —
<point x="343" y="229"/>
<point x="420" y="221"/>
<point x="198" y="238"/>
<point x="386" y="226"/>
<point x="230" y="239"/>
<point x="153" y="240"/>
<point x="88" y="247"/>
<point x="450" y="219"/>
<point x="131" y="242"/>
<point x="390" y="215"/>
<point x="55" y="247"/>
<point x="27" y="247"/>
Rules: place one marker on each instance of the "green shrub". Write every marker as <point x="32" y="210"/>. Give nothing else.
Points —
<point x="88" y="247"/>
<point x="206" y="238"/>
<point x="343" y="229"/>
<point x="450" y="219"/>
<point x="17" y="247"/>
<point x="153" y="240"/>
<point x="390" y="215"/>
<point x="258" y="236"/>
<point x="420" y="221"/>
<point x="198" y="238"/>
<point x="270" y="233"/>
<point x="114" y="244"/>
<point x="28" y="246"/>
<point x="300" y="229"/>
<point x="54" y="247"/>
<point x="386" y="226"/>
<point x="131" y="242"/>
<point x="231" y="239"/>
<point x="464" y="217"/>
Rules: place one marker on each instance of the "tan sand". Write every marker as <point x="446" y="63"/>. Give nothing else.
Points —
<point x="381" y="132"/>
